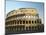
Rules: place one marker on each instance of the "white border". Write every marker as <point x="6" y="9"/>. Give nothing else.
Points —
<point x="2" y="21"/>
<point x="2" y="17"/>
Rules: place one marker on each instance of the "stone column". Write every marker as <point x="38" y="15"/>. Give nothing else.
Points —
<point x="31" y="24"/>
<point x="28" y="24"/>
<point x="22" y="24"/>
<point x="14" y="23"/>
<point x="25" y="25"/>
<point x="19" y="24"/>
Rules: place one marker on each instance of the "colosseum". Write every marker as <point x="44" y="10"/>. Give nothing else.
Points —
<point x="23" y="20"/>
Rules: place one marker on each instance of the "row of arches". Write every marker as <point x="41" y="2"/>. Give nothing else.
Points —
<point x="22" y="28"/>
<point x="14" y="22"/>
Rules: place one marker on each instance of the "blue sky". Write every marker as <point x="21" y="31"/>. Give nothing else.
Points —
<point x="11" y="5"/>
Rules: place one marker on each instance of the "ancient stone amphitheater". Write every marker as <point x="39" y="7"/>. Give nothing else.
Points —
<point x="23" y="20"/>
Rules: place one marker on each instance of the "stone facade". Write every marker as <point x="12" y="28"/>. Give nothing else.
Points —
<point x="23" y="20"/>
